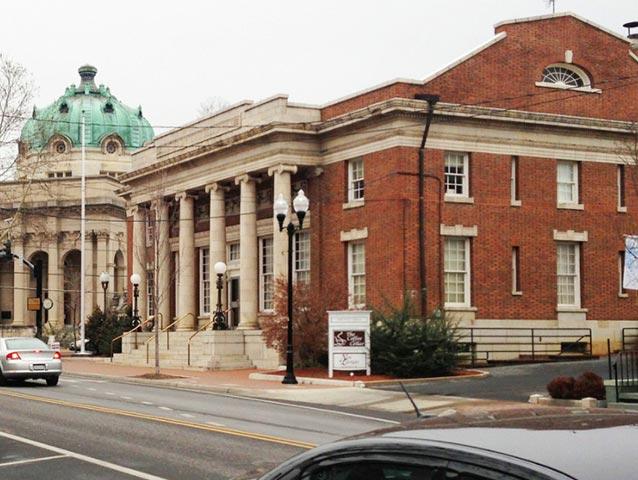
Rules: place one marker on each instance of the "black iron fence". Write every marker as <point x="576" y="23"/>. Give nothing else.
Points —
<point x="486" y="344"/>
<point x="625" y="371"/>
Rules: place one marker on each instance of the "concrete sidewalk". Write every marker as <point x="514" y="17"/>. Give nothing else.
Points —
<point x="238" y="382"/>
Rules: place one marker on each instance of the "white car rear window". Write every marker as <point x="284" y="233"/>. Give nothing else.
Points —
<point x="25" y="344"/>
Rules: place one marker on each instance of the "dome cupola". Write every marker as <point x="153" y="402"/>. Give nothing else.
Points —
<point x="106" y="119"/>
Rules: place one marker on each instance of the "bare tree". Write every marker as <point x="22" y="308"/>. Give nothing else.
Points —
<point x="212" y="105"/>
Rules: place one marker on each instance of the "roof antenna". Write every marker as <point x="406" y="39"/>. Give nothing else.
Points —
<point x="416" y="409"/>
<point x="553" y="4"/>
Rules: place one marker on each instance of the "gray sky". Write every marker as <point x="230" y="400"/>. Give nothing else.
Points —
<point x="171" y="56"/>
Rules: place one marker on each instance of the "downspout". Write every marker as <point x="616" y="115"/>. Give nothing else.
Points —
<point x="432" y="100"/>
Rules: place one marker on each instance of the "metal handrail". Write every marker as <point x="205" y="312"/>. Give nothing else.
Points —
<point x="166" y="329"/>
<point x="629" y="337"/>
<point x="199" y="330"/>
<point x="134" y="329"/>
<point x="627" y="360"/>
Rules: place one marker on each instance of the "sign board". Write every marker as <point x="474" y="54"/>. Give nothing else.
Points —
<point x="33" y="304"/>
<point x="348" y="341"/>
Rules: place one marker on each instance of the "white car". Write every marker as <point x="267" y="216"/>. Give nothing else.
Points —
<point x="27" y="357"/>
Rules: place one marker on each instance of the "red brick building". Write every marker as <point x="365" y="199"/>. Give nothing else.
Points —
<point x="530" y="142"/>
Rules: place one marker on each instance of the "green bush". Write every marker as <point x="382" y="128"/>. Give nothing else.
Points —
<point x="101" y="330"/>
<point x="405" y="346"/>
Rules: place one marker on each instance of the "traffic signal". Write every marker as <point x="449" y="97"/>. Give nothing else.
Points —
<point x="5" y="251"/>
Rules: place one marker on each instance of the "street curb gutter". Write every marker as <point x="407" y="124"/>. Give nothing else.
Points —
<point x="273" y="377"/>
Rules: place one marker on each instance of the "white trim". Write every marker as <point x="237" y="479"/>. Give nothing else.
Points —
<point x="351" y="303"/>
<point x="354" y="234"/>
<point x="558" y="15"/>
<point x="621" y="191"/>
<point x="621" y="272"/>
<point x="584" y="89"/>
<point x="450" y="198"/>
<point x="633" y="55"/>
<point x="202" y="312"/>
<point x="271" y="274"/>
<point x="353" y="204"/>
<point x="576" y="306"/>
<point x="571" y="206"/>
<point x="351" y="191"/>
<point x="295" y="252"/>
<point x="575" y="187"/>
<point x="458" y="231"/>
<point x="516" y="274"/>
<point x="514" y="175"/>
<point x="465" y="176"/>
<point x="570" y="236"/>
<point x="466" y="305"/>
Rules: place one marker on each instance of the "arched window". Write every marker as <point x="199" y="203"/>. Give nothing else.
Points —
<point x="566" y="76"/>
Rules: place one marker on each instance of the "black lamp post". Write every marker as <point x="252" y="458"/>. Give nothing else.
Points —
<point x="219" y="319"/>
<point x="135" y="281"/>
<point x="300" y="206"/>
<point x="104" y="280"/>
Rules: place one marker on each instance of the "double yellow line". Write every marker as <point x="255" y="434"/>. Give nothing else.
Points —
<point x="154" y="418"/>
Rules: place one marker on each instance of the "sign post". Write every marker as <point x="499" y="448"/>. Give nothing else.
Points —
<point x="348" y="341"/>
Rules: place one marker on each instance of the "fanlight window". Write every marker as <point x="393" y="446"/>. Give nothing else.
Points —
<point x="564" y="77"/>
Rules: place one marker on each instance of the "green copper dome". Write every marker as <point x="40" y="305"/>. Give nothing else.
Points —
<point x="104" y="116"/>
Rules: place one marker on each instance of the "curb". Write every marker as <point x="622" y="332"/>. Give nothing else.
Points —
<point x="475" y="374"/>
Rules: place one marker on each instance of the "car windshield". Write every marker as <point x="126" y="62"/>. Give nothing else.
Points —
<point x="25" y="344"/>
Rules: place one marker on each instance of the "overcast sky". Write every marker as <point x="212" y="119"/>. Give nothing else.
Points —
<point x="170" y="56"/>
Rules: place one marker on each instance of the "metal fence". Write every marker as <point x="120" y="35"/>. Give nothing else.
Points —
<point x="625" y="369"/>
<point x="630" y="338"/>
<point x="488" y="344"/>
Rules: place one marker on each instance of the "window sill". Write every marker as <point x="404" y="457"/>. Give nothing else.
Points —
<point x="517" y="294"/>
<point x="354" y="204"/>
<point x="458" y="199"/>
<point x="571" y="206"/>
<point x="621" y="209"/>
<point x="515" y="203"/>
<point x="459" y="308"/>
<point x="623" y="295"/>
<point x="568" y="309"/>
<point x="566" y="87"/>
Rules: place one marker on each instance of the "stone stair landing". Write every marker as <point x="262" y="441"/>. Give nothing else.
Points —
<point x="209" y="350"/>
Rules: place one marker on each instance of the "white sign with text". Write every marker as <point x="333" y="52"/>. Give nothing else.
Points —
<point x="348" y="341"/>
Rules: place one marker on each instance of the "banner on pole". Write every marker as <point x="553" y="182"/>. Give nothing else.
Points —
<point x="630" y="271"/>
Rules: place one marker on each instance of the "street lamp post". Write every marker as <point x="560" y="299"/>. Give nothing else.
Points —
<point x="104" y="279"/>
<point x="135" y="281"/>
<point x="300" y="206"/>
<point x="219" y="319"/>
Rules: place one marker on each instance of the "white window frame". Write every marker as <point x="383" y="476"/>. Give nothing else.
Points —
<point x="204" y="282"/>
<point x="575" y="275"/>
<point x="297" y="271"/>
<point x="621" y="274"/>
<point x="231" y="246"/>
<point x="149" y="224"/>
<point x="574" y="182"/>
<point x="514" y="187"/>
<point x="266" y="277"/>
<point x="467" y="271"/>
<point x="176" y="265"/>
<point x="356" y="180"/>
<point x="465" y="176"/>
<point x="621" y="188"/>
<point x="352" y="275"/>
<point x="516" y="274"/>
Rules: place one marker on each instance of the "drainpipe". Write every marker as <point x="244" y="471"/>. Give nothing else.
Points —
<point x="432" y="100"/>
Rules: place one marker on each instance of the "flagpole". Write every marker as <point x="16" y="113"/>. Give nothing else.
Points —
<point x="82" y="238"/>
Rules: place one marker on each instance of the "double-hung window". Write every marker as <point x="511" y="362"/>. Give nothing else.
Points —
<point x="204" y="281"/>
<point x="621" y="274"/>
<point x="567" y="182"/>
<point x="357" y="274"/>
<point x="150" y="227"/>
<point x="568" y="274"/>
<point x="355" y="180"/>
<point x="266" y="275"/>
<point x="457" y="272"/>
<point x="150" y="292"/>
<point x="620" y="179"/>
<point x="302" y="257"/>
<point x="514" y="193"/>
<point x="457" y="174"/>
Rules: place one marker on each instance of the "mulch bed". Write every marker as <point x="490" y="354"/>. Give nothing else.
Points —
<point x="357" y="375"/>
<point x="161" y="376"/>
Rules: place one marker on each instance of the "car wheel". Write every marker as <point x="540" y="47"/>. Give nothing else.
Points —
<point x="52" y="381"/>
<point x="3" y="380"/>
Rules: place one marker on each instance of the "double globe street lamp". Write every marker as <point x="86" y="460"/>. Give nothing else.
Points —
<point x="135" y="281"/>
<point x="105" y="278"/>
<point x="300" y="206"/>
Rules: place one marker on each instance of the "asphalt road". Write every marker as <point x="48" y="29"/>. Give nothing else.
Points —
<point x="511" y="382"/>
<point x="94" y="429"/>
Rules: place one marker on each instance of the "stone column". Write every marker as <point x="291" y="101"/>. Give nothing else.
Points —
<point x="139" y="258"/>
<point x="281" y="183"/>
<point x="89" y="276"/>
<point x="20" y="283"/>
<point x="248" y="251"/>
<point x="164" y="262"/>
<point x="56" y="283"/>
<point x="217" y="240"/>
<point x="102" y="266"/>
<point x="186" y="300"/>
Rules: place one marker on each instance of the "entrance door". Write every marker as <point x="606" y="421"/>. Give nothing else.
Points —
<point x="233" y="302"/>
